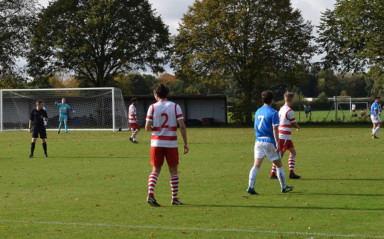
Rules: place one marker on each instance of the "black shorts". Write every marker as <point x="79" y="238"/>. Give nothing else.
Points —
<point x="39" y="131"/>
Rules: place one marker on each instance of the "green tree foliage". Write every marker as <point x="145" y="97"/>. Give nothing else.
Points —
<point x="16" y="20"/>
<point x="352" y="35"/>
<point x="135" y="84"/>
<point x="246" y="45"/>
<point x="97" y="39"/>
<point x="375" y="81"/>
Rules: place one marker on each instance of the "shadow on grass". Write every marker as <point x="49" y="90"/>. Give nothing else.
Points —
<point x="285" y="207"/>
<point x="342" y="179"/>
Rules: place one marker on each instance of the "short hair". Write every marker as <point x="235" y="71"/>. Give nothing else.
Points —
<point x="39" y="101"/>
<point x="267" y="96"/>
<point x="133" y="100"/>
<point x="289" y="96"/>
<point x="377" y="98"/>
<point x="161" y="91"/>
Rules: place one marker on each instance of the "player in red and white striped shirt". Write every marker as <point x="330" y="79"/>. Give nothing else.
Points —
<point x="162" y="120"/>
<point x="287" y="120"/>
<point x="133" y="122"/>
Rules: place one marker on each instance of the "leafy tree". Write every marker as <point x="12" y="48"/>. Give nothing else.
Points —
<point x="245" y="45"/>
<point x="9" y="80"/>
<point x="328" y="82"/>
<point x="375" y="81"/>
<point x="16" y="20"/>
<point x="97" y="39"/>
<point x="135" y="84"/>
<point x="352" y="35"/>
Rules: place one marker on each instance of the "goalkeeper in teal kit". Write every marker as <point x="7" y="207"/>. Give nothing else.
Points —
<point x="63" y="117"/>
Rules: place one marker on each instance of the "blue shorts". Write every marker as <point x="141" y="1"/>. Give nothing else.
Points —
<point x="63" y="118"/>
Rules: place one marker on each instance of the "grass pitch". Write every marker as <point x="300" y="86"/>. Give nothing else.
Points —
<point x="94" y="185"/>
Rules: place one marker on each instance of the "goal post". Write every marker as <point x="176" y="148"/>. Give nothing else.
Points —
<point x="93" y="108"/>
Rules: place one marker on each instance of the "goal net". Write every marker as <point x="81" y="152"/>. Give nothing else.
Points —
<point x="94" y="108"/>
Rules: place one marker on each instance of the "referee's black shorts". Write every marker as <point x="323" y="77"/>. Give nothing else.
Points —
<point x="36" y="131"/>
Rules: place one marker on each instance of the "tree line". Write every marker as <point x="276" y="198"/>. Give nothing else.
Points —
<point x="235" y="47"/>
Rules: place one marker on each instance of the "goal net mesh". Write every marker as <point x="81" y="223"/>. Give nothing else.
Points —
<point x="93" y="108"/>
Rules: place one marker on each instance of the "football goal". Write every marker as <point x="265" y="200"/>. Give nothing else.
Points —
<point x="94" y="108"/>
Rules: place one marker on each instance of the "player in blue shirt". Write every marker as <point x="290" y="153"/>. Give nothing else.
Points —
<point x="375" y="117"/>
<point x="267" y="133"/>
<point x="63" y="117"/>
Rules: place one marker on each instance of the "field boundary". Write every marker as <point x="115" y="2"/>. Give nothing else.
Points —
<point x="191" y="229"/>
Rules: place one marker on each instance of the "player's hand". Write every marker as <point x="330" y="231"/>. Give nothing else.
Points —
<point x="278" y="149"/>
<point x="298" y="128"/>
<point x="73" y="111"/>
<point x="186" y="148"/>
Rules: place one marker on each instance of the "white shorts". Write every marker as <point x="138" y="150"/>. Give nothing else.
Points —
<point x="374" y="120"/>
<point x="263" y="149"/>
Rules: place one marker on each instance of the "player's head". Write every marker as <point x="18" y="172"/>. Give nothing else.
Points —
<point x="39" y="104"/>
<point x="288" y="97"/>
<point x="134" y="101"/>
<point x="377" y="99"/>
<point x="267" y="97"/>
<point x="160" y="91"/>
<point x="63" y="100"/>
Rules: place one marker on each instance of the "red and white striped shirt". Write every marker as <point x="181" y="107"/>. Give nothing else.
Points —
<point x="132" y="114"/>
<point x="164" y="116"/>
<point x="286" y="117"/>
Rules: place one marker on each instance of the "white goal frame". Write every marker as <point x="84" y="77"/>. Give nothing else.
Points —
<point x="113" y="106"/>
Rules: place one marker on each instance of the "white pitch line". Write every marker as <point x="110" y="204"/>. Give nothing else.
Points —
<point x="192" y="229"/>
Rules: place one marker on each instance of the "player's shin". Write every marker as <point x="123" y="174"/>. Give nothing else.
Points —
<point x="175" y="186"/>
<point x="376" y="130"/>
<point x="66" y="127"/>
<point x="281" y="177"/>
<point x="152" y="183"/>
<point x="60" y="125"/>
<point x="32" y="148"/>
<point x="273" y="171"/>
<point x="252" y="176"/>
<point x="291" y="163"/>
<point x="45" y="147"/>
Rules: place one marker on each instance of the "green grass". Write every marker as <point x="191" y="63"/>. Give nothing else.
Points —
<point x="321" y="116"/>
<point x="94" y="178"/>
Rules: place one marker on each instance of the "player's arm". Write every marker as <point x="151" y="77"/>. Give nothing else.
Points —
<point x="30" y="126"/>
<point x="183" y="131"/>
<point x="296" y="125"/>
<point x="276" y="136"/>
<point x="148" y="126"/>
<point x="45" y="118"/>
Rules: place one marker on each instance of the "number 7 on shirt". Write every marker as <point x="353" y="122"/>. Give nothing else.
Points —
<point x="261" y="118"/>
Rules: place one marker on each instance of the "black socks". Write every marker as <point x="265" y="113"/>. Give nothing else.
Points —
<point x="32" y="148"/>
<point x="45" y="148"/>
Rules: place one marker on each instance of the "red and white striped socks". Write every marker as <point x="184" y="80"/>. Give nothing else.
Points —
<point x="152" y="183"/>
<point x="134" y="133"/>
<point x="175" y="186"/>
<point x="291" y="163"/>
<point x="273" y="171"/>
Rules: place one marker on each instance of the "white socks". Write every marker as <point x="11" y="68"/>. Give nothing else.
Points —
<point x="252" y="176"/>
<point x="376" y="130"/>
<point x="281" y="176"/>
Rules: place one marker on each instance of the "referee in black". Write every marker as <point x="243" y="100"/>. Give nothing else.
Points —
<point x="37" y="126"/>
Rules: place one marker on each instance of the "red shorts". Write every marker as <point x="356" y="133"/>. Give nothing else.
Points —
<point x="285" y="144"/>
<point x="158" y="154"/>
<point x="134" y="125"/>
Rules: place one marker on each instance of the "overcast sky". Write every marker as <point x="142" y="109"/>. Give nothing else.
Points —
<point x="172" y="11"/>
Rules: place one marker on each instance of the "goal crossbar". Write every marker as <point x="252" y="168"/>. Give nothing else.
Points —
<point x="97" y="109"/>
